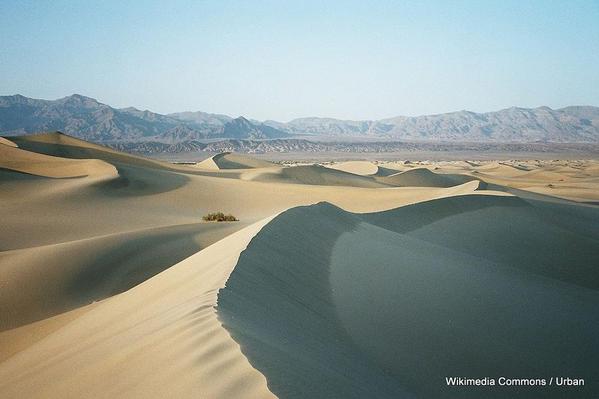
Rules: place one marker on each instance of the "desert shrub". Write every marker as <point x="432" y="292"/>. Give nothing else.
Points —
<point x="219" y="217"/>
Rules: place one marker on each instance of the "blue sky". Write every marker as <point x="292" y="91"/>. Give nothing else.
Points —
<point x="282" y="60"/>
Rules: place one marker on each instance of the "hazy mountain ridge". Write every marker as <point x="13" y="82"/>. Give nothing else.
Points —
<point x="570" y="124"/>
<point x="89" y="119"/>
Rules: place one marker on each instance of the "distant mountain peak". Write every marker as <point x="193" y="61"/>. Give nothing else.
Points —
<point x="78" y="99"/>
<point x="242" y="119"/>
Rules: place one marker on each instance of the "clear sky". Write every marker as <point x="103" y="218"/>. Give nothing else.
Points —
<point x="282" y="59"/>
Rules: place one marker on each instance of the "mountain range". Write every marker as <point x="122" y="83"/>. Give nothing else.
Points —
<point x="86" y="118"/>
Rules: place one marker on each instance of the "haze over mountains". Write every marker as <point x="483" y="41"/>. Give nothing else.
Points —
<point x="89" y="119"/>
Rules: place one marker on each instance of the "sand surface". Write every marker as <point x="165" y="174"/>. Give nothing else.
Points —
<point x="159" y="339"/>
<point x="576" y="180"/>
<point x="109" y="278"/>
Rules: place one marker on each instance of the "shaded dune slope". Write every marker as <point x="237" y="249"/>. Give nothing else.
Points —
<point x="228" y="160"/>
<point x="282" y="312"/>
<point x="315" y="175"/>
<point x="423" y="177"/>
<point x="77" y="273"/>
<point x="384" y="171"/>
<point x="553" y="240"/>
<point x="391" y="303"/>
<point x="62" y="145"/>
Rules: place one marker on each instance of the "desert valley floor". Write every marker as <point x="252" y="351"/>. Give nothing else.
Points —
<point x="341" y="280"/>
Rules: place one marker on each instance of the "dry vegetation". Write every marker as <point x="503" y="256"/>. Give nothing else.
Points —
<point x="219" y="217"/>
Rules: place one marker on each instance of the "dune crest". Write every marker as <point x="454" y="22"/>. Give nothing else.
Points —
<point x="77" y="273"/>
<point x="7" y="142"/>
<point x="62" y="145"/>
<point x="423" y="177"/>
<point x="229" y="160"/>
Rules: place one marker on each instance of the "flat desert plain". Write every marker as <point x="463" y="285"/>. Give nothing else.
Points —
<point x="339" y="280"/>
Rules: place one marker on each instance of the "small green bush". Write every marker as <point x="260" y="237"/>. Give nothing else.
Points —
<point x="219" y="217"/>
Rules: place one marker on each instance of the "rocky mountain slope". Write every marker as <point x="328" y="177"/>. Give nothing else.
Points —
<point x="89" y="119"/>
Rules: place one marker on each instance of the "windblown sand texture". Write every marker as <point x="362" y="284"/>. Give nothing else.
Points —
<point x="346" y="280"/>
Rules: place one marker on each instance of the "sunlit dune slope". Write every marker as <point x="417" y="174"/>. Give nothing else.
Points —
<point x="159" y="339"/>
<point x="363" y="168"/>
<point x="20" y="160"/>
<point x="7" y="142"/>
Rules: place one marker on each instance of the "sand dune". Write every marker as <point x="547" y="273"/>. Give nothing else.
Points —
<point x="146" y="197"/>
<point x="316" y="175"/>
<point x="207" y="164"/>
<point x="159" y="339"/>
<point x="384" y="171"/>
<point x="244" y="168"/>
<point x="584" y="193"/>
<point x="423" y="177"/>
<point x="79" y="272"/>
<point x="109" y="278"/>
<point x="363" y="168"/>
<point x="62" y="145"/>
<point x="501" y="167"/>
<point x="581" y="186"/>
<point x="281" y="311"/>
<point x="362" y="279"/>
<point x="228" y="160"/>
<point x="7" y="142"/>
<point x="575" y="180"/>
<point x="17" y="159"/>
